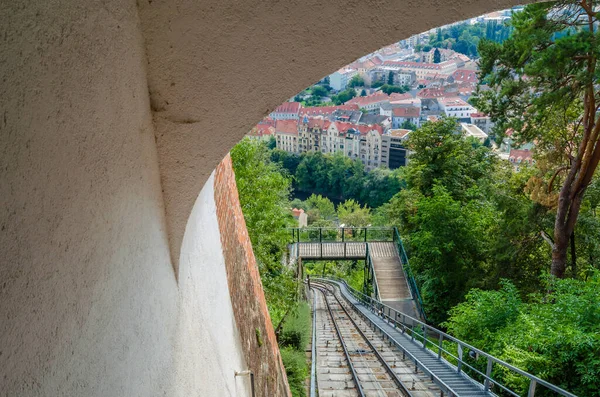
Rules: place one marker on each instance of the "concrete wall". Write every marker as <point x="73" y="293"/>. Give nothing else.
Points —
<point x="208" y="347"/>
<point x="90" y="303"/>
<point x="88" y="298"/>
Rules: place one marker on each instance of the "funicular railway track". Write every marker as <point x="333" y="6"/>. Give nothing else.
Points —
<point x="354" y="353"/>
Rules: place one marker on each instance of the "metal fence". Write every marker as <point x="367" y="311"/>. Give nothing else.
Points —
<point x="474" y="362"/>
<point x="341" y="234"/>
<point x="408" y="274"/>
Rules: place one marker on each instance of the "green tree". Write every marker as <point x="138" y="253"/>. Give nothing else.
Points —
<point x="553" y="336"/>
<point x="389" y="89"/>
<point x="356" y="81"/>
<point x="442" y="155"/>
<point x="363" y="92"/>
<point x="407" y="125"/>
<point x="264" y="191"/>
<point x="323" y="205"/>
<point x="540" y="75"/>
<point x="448" y="242"/>
<point x="351" y="214"/>
<point x="390" y="79"/>
<point x="437" y="56"/>
<point x="318" y="91"/>
<point x="343" y="96"/>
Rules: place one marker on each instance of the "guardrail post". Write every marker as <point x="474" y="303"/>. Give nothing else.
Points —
<point x="365" y="234"/>
<point x="343" y="235"/>
<point x="440" y="345"/>
<point x="532" y="384"/>
<point x="460" y="356"/>
<point x="488" y="372"/>
<point x="424" y="336"/>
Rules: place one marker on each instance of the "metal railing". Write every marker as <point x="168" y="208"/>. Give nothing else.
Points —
<point x="341" y="234"/>
<point x="369" y="263"/>
<point x="453" y="351"/>
<point x="408" y="274"/>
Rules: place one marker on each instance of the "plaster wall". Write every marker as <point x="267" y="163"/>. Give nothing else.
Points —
<point x="208" y="348"/>
<point x="88" y="298"/>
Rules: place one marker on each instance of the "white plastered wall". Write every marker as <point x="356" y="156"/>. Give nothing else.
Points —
<point x="208" y="348"/>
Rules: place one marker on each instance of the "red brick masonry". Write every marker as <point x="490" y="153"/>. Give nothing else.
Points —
<point x="249" y="306"/>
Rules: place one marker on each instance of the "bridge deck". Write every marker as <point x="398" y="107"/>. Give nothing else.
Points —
<point x="393" y="288"/>
<point x="331" y="250"/>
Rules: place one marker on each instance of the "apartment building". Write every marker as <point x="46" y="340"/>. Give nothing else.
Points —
<point x="339" y="80"/>
<point x="456" y="107"/>
<point x="286" y="111"/>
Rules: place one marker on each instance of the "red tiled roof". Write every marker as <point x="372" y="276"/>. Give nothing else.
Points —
<point x="400" y="97"/>
<point x="289" y="127"/>
<point x="435" y="93"/>
<point x="297" y="212"/>
<point x="326" y="110"/>
<point x="343" y="127"/>
<point x="516" y="154"/>
<point x="478" y="114"/>
<point x="407" y="112"/>
<point x="465" y="75"/>
<point x="317" y="122"/>
<point x="267" y="121"/>
<point x="288" y="107"/>
<point x="365" y="100"/>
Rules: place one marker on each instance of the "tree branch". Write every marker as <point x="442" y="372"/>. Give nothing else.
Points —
<point x="547" y="238"/>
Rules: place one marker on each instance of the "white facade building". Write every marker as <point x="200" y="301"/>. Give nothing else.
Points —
<point x="456" y="107"/>
<point x="339" y="80"/>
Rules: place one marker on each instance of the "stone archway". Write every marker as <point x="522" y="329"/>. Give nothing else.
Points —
<point x="217" y="67"/>
<point x="114" y="113"/>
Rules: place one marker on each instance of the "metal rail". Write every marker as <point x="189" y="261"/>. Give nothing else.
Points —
<point x="386" y="366"/>
<point x="313" y="365"/>
<point x="341" y="339"/>
<point x="419" y="331"/>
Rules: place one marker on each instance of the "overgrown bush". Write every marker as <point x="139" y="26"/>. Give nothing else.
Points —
<point x="296" y="328"/>
<point x="296" y="369"/>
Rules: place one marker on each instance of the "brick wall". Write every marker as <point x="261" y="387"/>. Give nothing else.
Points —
<point x="247" y="297"/>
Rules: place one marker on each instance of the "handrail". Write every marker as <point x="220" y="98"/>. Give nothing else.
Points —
<point x="369" y="260"/>
<point x="338" y="234"/>
<point x="418" y="362"/>
<point x="410" y="279"/>
<point x="313" y="364"/>
<point x="379" y="306"/>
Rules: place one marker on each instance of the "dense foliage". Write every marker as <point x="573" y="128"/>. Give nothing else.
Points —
<point x="544" y="86"/>
<point x="264" y="196"/>
<point x="554" y="335"/>
<point x="339" y="177"/>
<point x="464" y="37"/>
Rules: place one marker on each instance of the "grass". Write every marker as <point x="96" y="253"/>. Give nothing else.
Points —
<point x="293" y="341"/>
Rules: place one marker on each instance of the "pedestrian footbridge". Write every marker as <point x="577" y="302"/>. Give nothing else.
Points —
<point x="387" y="272"/>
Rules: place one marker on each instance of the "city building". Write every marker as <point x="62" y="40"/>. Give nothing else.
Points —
<point x="287" y="111"/>
<point x="520" y="156"/>
<point x="339" y="80"/>
<point x="370" y="103"/>
<point x="410" y="114"/>
<point x="286" y="135"/>
<point x="393" y="144"/>
<point x="456" y="107"/>
<point x="421" y="69"/>
<point x="471" y="130"/>
<point x="482" y="121"/>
